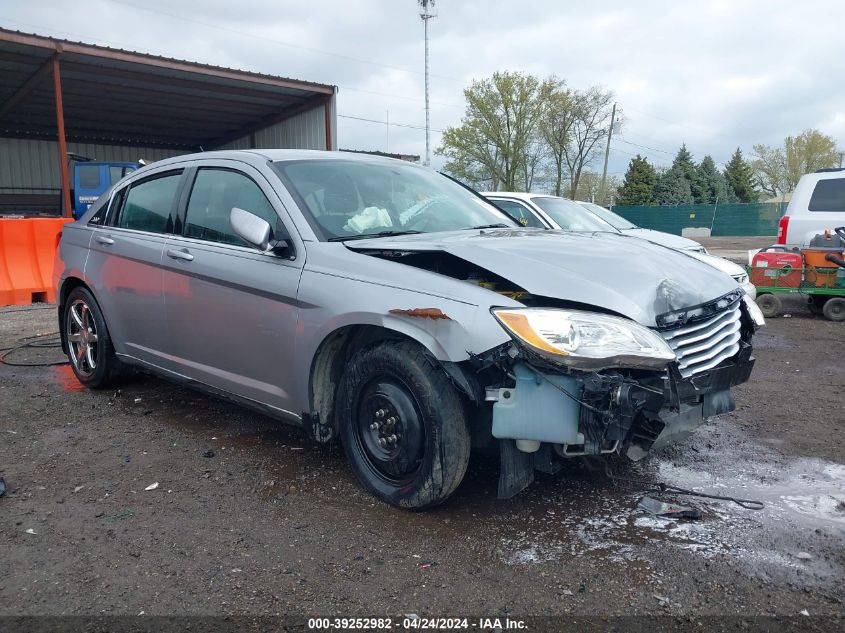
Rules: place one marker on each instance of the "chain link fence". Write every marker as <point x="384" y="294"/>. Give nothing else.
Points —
<point x="720" y="220"/>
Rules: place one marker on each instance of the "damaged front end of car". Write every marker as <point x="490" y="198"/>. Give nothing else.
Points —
<point x="579" y="383"/>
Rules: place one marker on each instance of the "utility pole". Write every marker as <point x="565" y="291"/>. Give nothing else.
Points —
<point x="387" y="132"/>
<point x="607" y="152"/>
<point x="841" y="156"/>
<point x="426" y="13"/>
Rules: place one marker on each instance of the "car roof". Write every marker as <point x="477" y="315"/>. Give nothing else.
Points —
<point x="259" y="156"/>
<point x="519" y="195"/>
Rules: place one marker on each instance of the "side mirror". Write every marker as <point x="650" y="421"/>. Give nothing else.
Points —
<point x="256" y="231"/>
<point x="250" y="228"/>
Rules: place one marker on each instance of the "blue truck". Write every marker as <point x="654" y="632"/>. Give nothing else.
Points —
<point x="90" y="179"/>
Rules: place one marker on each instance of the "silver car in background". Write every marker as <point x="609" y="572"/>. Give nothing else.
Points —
<point x="383" y="304"/>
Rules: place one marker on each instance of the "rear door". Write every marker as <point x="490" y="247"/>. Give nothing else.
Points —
<point x="231" y="310"/>
<point x="124" y="264"/>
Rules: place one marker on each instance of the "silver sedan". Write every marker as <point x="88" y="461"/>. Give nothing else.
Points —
<point x="382" y="304"/>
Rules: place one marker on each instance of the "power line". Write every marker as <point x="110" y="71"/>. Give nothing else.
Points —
<point x="358" y="60"/>
<point x="393" y="123"/>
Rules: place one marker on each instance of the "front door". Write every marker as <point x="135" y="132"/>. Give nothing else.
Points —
<point x="231" y="310"/>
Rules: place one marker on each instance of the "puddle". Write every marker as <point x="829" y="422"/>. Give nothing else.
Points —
<point x="580" y="513"/>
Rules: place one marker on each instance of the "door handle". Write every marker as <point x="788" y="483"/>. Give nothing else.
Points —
<point x="177" y="254"/>
<point x="102" y="239"/>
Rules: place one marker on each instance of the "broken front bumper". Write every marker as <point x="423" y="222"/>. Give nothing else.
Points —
<point x="589" y="414"/>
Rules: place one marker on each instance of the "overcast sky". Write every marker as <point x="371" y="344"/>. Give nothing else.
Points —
<point x="713" y="74"/>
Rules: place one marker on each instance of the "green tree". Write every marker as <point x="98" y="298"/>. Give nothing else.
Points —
<point x="778" y="169"/>
<point x="638" y="186"/>
<point x="673" y="187"/>
<point x="495" y="145"/>
<point x="714" y="187"/>
<point x="589" y="187"/>
<point x="685" y="164"/>
<point x="740" y="178"/>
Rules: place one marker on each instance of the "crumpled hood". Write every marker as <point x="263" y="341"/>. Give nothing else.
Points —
<point x="668" y="240"/>
<point x="619" y="273"/>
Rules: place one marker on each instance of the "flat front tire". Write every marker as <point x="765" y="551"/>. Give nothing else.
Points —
<point x="89" y="346"/>
<point x="403" y="425"/>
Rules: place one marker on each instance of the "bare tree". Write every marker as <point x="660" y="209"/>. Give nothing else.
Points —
<point x="591" y="112"/>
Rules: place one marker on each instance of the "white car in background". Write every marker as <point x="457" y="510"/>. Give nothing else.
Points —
<point x="818" y="203"/>
<point x="553" y="212"/>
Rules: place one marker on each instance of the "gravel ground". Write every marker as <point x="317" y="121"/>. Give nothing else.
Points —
<point x="249" y="518"/>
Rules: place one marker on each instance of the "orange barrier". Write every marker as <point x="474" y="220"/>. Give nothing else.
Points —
<point x="27" y="255"/>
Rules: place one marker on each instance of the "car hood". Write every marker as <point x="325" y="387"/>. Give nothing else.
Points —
<point x="664" y="239"/>
<point x="612" y="271"/>
<point x="725" y="265"/>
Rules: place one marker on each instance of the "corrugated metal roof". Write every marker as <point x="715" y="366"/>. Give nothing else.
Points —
<point x="123" y="97"/>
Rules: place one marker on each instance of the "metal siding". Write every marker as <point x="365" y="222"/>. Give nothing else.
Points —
<point x="303" y="131"/>
<point x="29" y="166"/>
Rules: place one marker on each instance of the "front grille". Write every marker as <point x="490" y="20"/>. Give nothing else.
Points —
<point x="703" y="345"/>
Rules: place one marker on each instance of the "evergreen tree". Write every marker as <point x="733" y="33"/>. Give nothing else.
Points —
<point x="638" y="187"/>
<point x="714" y="187"/>
<point x="684" y="164"/>
<point x="673" y="187"/>
<point x="740" y="178"/>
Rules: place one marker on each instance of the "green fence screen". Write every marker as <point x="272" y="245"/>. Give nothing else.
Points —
<point x="722" y="219"/>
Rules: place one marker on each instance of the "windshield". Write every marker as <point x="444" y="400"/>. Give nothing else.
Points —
<point x="570" y="215"/>
<point x="617" y="221"/>
<point x="350" y="198"/>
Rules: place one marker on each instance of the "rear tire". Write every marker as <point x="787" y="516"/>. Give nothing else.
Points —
<point x="770" y="305"/>
<point x="834" y="309"/>
<point x="403" y="426"/>
<point x="89" y="346"/>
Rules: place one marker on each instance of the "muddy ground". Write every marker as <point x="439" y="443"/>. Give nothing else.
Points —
<point x="271" y="524"/>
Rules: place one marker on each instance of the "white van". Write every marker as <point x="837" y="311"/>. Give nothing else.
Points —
<point x="818" y="203"/>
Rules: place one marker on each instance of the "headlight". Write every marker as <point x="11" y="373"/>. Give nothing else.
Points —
<point x="741" y="279"/>
<point x="586" y="340"/>
<point x="754" y="311"/>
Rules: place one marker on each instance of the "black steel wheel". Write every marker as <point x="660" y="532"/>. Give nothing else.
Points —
<point x="402" y="424"/>
<point x="770" y="305"/>
<point x="89" y="346"/>
<point x="834" y="309"/>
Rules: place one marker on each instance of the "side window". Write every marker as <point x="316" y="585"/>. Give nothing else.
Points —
<point x="148" y="204"/>
<point x="214" y="193"/>
<point x="519" y="212"/>
<point x="89" y="176"/>
<point x="114" y="207"/>
<point x="829" y="195"/>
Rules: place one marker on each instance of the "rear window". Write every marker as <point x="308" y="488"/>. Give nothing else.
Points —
<point x="89" y="176"/>
<point x="148" y="204"/>
<point x="829" y="195"/>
